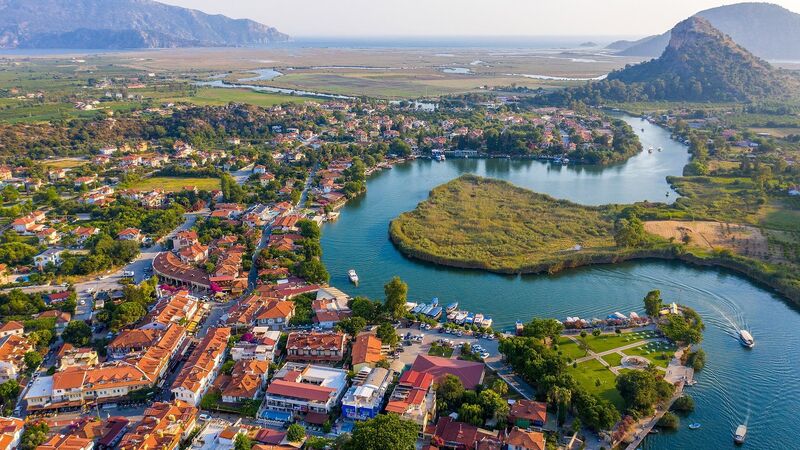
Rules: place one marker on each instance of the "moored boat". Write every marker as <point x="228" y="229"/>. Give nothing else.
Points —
<point x="419" y="308"/>
<point x="740" y="434"/>
<point x="519" y="326"/>
<point x="353" y="276"/>
<point x="746" y="339"/>
<point x="478" y="320"/>
<point x="460" y="317"/>
<point x="487" y="322"/>
<point x="452" y="307"/>
<point x="470" y="317"/>
<point x="435" y="313"/>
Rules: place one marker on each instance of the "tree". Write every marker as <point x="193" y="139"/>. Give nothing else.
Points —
<point x="542" y="328"/>
<point x="396" y="295"/>
<point x="309" y="229"/>
<point x="364" y="307"/>
<point x="9" y="391"/>
<point x="561" y="397"/>
<point x="32" y="360"/>
<point x="313" y="271"/>
<point x="295" y="433"/>
<point x="652" y="303"/>
<point x="449" y="392"/>
<point x="399" y="147"/>
<point x="352" y="325"/>
<point x="639" y="390"/>
<point x="384" y="431"/>
<point x="669" y="420"/>
<point x="630" y="232"/>
<point x="684" y="403"/>
<point x="696" y="360"/>
<point x="387" y="334"/>
<point x="243" y="442"/>
<point x="77" y="333"/>
<point x="34" y="435"/>
<point x="471" y="414"/>
<point x="10" y="194"/>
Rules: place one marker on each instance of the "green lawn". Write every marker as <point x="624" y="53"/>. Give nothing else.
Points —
<point x="606" y="342"/>
<point x="654" y="353"/>
<point x="569" y="348"/>
<point x="440" y="350"/>
<point x="175" y="184"/>
<point x="613" y="359"/>
<point x="587" y="374"/>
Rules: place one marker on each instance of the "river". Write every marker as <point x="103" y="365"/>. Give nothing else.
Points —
<point x="760" y="387"/>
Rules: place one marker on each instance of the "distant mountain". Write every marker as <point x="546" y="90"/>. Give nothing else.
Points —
<point x="701" y="63"/>
<point x="768" y="31"/>
<point x="117" y="24"/>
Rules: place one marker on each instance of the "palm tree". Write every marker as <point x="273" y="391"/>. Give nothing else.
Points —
<point x="561" y="397"/>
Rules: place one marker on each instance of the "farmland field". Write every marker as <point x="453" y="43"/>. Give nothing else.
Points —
<point x="175" y="184"/>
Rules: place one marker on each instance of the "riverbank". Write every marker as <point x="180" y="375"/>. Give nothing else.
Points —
<point x="491" y="225"/>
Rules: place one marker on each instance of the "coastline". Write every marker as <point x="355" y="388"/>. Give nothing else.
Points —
<point x="739" y="266"/>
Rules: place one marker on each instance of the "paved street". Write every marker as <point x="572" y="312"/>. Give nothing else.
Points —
<point x="110" y="281"/>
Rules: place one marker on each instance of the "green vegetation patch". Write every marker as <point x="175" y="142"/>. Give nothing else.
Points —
<point x="489" y="224"/>
<point x="176" y="184"/>
<point x="613" y="359"/>
<point x="587" y="375"/>
<point x="654" y="352"/>
<point x="570" y="348"/>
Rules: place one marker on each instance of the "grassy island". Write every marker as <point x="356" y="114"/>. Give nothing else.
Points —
<point x="474" y="222"/>
<point x="478" y="223"/>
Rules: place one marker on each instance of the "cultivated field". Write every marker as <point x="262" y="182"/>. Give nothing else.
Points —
<point x="176" y="184"/>
<point x="740" y="239"/>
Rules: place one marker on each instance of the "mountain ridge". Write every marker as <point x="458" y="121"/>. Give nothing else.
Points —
<point x="117" y="24"/>
<point x="767" y="30"/>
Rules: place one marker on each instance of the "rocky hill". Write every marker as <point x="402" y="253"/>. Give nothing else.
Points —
<point x="117" y="24"/>
<point x="768" y="31"/>
<point x="701" y="63"/>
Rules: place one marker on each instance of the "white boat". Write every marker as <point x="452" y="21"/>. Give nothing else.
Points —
<point x="694" y="426"/>
<point x="478" y="320"/>
<point x="659" y="148"/>
<point x="460" y="317"/>
<point x="746" y="339"/>
<point x="739" y="435"/>
<point x="353" y="276"/>
<point x="487" y="322"/>
<point x="650" y="150"/>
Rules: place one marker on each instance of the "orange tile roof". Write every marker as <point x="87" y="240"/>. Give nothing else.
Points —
<point x="277" y="309"/>
<point x="162" y="427"/>
<point x="367" y="349"/>
<point x="202" y="360"/>
<point x="530" y="440"/>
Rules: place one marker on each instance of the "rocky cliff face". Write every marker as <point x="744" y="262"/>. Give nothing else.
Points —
<point x="114" y="24"/>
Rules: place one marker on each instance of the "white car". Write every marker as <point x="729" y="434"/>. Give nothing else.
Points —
<point x="484" y="355"/>
<point x="83" y="302"/>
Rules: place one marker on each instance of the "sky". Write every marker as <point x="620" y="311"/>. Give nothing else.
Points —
<point x="351" y="18"/>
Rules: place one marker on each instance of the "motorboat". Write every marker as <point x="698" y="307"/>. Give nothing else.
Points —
<point x="353" y="276"/>
<point x="694" y="426"/>
<point x="452" y="307"/>
<point x="435" y="313"/>
<point x="487" y="322"/>
<point x="470" y="318"/>
<point x="419" y="308"/>
<point x="460" y="317"/>
<point x="659" y="149"/>
<point x="435" y="301"/>
<point x="518" y="327"/>
<point x="478" y="320"/>
<point x="739" y="434"/>
<point x="746" y="339"/>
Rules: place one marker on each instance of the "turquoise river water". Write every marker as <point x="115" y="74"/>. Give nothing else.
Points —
<point x="760" y="387"/>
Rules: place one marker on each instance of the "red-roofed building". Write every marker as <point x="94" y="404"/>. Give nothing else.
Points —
<point x="526" y="414"/>
<point x="414" y="398"/>
<point x="315" y="347"/>
<point x="301" y="389"/>
<point x="519" y="439"/>
<point x="470" y="373"/>
<point x="449" y="434"/>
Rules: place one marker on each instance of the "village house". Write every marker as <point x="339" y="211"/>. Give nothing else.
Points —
<point x="82" y="234"/>
<point x="451" y="434"/>
<point x="527" y="414"/>
<point x="70" y="356"/>
<point x="364" y="399"/>
<point x="184" y="238"/>
<point x="66" y="442"/>
<point x="276" y="314"/>
<point x="414" y="398"/>
<point x="260" y="347"/>
<point x="12" y="327"/>
<point x="11" y="430"/>
<point x="106" y="434"/>
<point x="49" y="256"/>
<point x="163" y="426"/>
<point x="305" y="392"/>
<point x="130" y="234"/>
<point x="202" y="367"/>
<point x="521" y="439"/>
<point x="12" y="356"/>
<point x="315" y="347"/>
<point x="193" y="254"/>
<point x="247" y="381"/>
<point x="367" y="350"/>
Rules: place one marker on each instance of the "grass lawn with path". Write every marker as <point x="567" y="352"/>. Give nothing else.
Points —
<point x="569" y="348"/>
<point x="606" y="342"/>
<point x="654" y="353"/>
<point x="176" y="184"/>
<point x="613" y="359"/>
<point x="587" y="374"/>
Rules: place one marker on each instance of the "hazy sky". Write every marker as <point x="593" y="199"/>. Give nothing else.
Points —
<point x="464" y="17"/>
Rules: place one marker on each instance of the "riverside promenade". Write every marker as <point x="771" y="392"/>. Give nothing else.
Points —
<point x="680" y="376"/>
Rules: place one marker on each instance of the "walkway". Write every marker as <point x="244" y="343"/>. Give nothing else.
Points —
<point x="619" y="350"/>
<point x="677" y="374"/>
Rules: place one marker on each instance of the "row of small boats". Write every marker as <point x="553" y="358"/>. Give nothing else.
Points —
<point x="469" y="318"/>
<point x="432" y="309"/>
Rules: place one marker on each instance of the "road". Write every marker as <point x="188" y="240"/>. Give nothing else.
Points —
<point x="243" y="174"/>
<point x="144" y="261"/>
